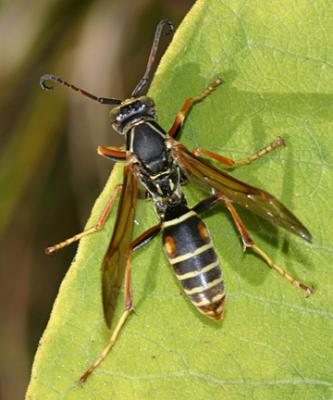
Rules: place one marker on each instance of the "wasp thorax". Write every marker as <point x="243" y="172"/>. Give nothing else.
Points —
<point x="130" y="112"/>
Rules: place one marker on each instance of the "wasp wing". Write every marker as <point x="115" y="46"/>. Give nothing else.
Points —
<point x="256" y="200"/>
<point x="115" y="259"/>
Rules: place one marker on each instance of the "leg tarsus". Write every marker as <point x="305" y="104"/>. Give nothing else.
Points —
<point x="143" y="239"/>
<point x="187" y="105"/>
<point x="281" y="271"/>
<point x="247" y="242"/>
<point x="100" y="223"/>
<point x="229" y="163"/>
<point x="278" y="142"/>
<point x="108" y="347"/>
<point x="128" y="307"/>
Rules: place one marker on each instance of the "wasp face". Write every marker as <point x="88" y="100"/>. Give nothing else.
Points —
<point x="130" y="111"/>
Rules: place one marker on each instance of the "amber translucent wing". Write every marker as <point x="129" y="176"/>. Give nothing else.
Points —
<point x="257" y="201"/>
<point x="114" y="264"/>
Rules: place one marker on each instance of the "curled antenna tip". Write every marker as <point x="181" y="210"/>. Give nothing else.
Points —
<point x="47" y="77"/>
<point x="168" y="23"/>
<point x="171" y="28"/>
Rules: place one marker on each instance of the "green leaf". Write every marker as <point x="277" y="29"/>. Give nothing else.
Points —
<point x="274" y="343"/>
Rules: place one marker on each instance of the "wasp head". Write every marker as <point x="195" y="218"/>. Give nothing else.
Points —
<point x="130" y="112"/>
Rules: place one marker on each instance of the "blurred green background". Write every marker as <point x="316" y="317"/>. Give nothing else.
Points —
<point x="50" y="173"/>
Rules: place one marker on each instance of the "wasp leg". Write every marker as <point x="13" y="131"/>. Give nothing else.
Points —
<point x="127" y="309"/>
<point x="100" y="223"/>
<point x="143" y="239"/>
<point x="188" y="103"/>
<point x="246" y="239"/>
<point x="249" y="243"/>
<point x="278" y="142"/>
<point x="114" y="153"/>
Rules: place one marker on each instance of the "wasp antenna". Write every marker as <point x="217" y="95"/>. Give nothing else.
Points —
<point x="170" y="26"/>
<point x="47" y="77"/>
<point x="50" y="77"/>
<point x="158" y="32"/>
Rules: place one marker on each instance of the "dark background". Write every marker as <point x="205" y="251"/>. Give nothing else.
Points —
<point x="50" y="173"/>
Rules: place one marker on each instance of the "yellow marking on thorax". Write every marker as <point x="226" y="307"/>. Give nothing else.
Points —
<point x="159" y="190"/>
<point x="166" y="172"/>
<point x="154" y="128"/>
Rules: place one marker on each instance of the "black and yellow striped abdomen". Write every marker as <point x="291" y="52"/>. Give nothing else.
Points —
<point x="189" y="248"/>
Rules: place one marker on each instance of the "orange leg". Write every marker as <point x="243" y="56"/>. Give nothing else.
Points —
<point x="247" y="160"/>
<point x="249" y="243"/>
<point x="211" y="201"/>
<point x="100" y="223"/>
<point x="173" y="132"/>
<point x="128" y="307"/>
<point x="114" y="153"/>
<point x="128" y="304"/>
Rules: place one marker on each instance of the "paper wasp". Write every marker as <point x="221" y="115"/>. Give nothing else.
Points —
<point x="156" y="162"/>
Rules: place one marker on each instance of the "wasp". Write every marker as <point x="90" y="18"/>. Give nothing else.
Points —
<point x="157" y="163"/>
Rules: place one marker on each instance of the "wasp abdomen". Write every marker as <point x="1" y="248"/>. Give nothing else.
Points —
<point x="190" y="250"/>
